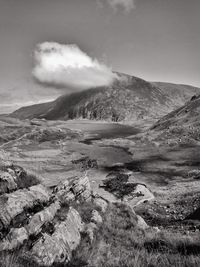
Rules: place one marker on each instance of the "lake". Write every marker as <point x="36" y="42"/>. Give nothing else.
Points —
<point x="100" y="130"/>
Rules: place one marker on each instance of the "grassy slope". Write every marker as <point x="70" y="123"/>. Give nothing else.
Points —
<point x="119" y="242"/>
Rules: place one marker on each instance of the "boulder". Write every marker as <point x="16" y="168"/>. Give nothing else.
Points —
<point x="15" y="238"/>
<point x="40" y="218"/>
<point x="75" y="188"/>
<point x="15" y="203"/>
<point x="57" y="248"/>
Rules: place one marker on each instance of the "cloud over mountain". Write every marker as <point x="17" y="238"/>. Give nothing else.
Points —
<point x="67" y="66"/>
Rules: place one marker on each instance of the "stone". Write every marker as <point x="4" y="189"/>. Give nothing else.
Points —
<point x="96" y="217"/>
<point x="15" y="203"/>
<point x="57" y="248"/>
<point x="40" y="218"/>
<point x="15" y="238"/>
<point x="75" y="188"/>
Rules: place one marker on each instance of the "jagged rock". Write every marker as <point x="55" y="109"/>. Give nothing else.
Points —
<point x="57" y="248"/>
<point x="76" y="188"/>
<point x="7" y="182"/>
<point x="14" y="239"/>
<point x="17" y="236"/>
<point x="101" y="203"/>
<point x="42" y="217"/>
<point x="96" y="217"/>
<point x="14" y="203"/>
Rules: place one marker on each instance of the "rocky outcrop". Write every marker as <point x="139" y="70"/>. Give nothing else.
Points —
<point x="73" y="189"/>
<point x="42" y="217"/>
<point x="16" y="203"/>
<point x="15" y="238"/>
<point x="31" y="215"/>
<point x="46" y="225"/>
<point x="57" y="248"/>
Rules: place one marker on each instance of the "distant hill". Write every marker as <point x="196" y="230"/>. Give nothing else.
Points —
<point x="128" y="99"/>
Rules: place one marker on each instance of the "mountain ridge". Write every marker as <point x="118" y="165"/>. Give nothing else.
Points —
<point x="128" y="99"/>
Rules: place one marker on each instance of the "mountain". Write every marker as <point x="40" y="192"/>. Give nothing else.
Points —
<point x="128" y="99"/>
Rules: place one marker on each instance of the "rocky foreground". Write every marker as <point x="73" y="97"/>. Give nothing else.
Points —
<point x="46" y="223"/>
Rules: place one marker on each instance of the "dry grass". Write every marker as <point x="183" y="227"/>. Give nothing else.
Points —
<point x="120" y="243"/>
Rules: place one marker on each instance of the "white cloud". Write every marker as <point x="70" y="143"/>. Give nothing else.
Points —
<point x="67" y="66"/>
<point x="127" y="5"/>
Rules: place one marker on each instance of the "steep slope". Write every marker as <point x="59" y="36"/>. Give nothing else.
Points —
<point x="185" y="116"/>
<point x="128" y="99"/>
<point x="180" y="127"/>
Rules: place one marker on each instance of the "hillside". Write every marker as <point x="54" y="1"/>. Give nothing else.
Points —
<point x="128" y="99"/>
<point x="181" y="92"/>
<point x="186" y="116"/>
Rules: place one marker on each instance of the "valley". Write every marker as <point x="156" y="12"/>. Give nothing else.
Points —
<point x="99" y="133"/>
<point x="154" y="171"/>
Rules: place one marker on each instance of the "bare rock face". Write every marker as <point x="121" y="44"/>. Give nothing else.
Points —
<point x="13" y="204"/>
<point x="57" y="248"/>
<point x="15" y="238"/>
<point x="76" y="188"/>
<point x="42" y="217"/>
<point x="31" y="217"/>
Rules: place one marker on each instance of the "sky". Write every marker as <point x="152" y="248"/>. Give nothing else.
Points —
<point x="157" y="40"/>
